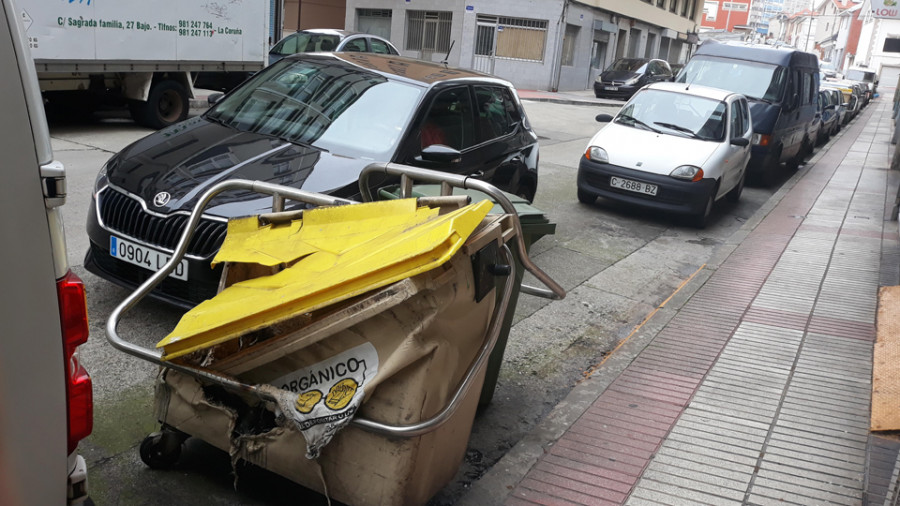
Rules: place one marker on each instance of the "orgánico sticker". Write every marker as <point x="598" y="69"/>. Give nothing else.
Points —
<point x="328" y="393"/>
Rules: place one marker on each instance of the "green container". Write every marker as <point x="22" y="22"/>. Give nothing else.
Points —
<point x="534" y="226"/>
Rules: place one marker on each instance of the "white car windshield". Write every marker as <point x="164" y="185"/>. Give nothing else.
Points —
<point x="675" y="114"/>
<point x="760" y="81"/>
<point x="337" y="107"/>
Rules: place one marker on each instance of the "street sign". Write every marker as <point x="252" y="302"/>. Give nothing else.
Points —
<point x="885" y="9"/>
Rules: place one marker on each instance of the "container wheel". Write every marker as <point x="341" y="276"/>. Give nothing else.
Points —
<point x="161" y="450"/>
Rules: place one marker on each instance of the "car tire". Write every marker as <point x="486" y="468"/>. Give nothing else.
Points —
<point x="735" y="194"/>
<point x="166" y="105"/>
<point x="526" y="192"/>
<point x="586" y="197"/>
<point x="702" y="219"/>
<point x="795" y="162"/>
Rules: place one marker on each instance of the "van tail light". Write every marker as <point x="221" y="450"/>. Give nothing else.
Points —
<point x="79" y="393"/>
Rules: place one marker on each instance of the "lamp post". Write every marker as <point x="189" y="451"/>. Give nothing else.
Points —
<point x="727" y="16"/>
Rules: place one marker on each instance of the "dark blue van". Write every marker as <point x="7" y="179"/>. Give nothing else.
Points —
<point x="782" y="85"/>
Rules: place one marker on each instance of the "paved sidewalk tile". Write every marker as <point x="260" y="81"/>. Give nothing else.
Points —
<point x="758" y="389"/>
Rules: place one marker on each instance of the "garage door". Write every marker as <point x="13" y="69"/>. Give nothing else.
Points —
<point x="887" y="81"/>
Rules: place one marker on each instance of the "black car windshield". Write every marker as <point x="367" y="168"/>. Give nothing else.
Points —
<point x="306" y="42"/>
<point x="673" y="113"/>
<point x="761" y="81"/>
<point x="627" y="65"/>
<point x="325" y="103"/>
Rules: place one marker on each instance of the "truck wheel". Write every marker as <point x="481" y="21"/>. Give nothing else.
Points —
<point x="166" y="105"/>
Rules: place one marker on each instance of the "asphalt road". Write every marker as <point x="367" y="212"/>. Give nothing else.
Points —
<point x="617" y="263"/>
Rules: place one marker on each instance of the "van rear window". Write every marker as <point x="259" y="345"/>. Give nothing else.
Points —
<point x="760" y="81"/>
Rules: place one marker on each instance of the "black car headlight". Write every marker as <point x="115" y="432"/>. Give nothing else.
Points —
<point x="100" y="182"/>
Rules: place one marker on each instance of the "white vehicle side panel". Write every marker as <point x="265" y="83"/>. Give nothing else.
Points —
<point x="162" y="30"/>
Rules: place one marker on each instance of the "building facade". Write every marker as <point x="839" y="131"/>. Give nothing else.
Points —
<point x="725" y="15"/>
<point x="879" y="47"/>
<point x="536" y="44"/>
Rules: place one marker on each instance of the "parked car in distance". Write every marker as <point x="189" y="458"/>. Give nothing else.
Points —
<point x="701" y="147"/>
<point x="627" y="75"/>
<point x="46" y="403"/>
<point x="851" y="98"/>
<point x="840" y="107"/>
<point x="312" y="121"/>
<point x="328" y="39"/>
<point x="827" y="116"/>
<point x="865" y="76"/>
<point x="781" y="85"/>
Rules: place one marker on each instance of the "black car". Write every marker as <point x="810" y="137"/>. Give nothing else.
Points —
<point x="310" y="121"/>
<point x="627" y="75"/>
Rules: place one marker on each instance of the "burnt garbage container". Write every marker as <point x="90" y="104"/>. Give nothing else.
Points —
<point x="535" y="225"/>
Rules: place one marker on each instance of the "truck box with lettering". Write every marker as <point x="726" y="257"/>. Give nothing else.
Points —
<point x="143" y="54"/>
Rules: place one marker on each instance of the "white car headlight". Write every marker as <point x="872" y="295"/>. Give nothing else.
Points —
<point x="688" y="172"/>
<point x="632" y="81"/>
<point x="596" y="154"/>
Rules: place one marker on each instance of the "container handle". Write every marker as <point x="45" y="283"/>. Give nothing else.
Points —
<point x="447" y="181"/>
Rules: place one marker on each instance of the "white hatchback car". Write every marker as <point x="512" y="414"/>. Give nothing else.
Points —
<point x="673" y="147"/>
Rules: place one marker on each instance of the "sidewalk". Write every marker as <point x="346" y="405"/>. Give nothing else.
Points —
<point x="758" y="390"/>
<point x="583" y="97"/>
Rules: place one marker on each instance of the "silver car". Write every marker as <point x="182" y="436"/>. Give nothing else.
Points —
<point x="673" y="147"/>
<point x="329" y="40"/>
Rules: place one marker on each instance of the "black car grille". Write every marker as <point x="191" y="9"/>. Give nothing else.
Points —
<point x="125" y="215"/>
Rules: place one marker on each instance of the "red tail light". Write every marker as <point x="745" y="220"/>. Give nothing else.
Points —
<point x="79" y="394"/>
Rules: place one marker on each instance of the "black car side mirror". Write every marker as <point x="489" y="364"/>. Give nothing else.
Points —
<point x="603" y="118"/>
<point x="440" y="153"/>
<point x="214" y="98"/>
<point x="740" y="141"/>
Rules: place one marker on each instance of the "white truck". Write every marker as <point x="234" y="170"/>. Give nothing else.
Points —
<point x="143" y="54"/>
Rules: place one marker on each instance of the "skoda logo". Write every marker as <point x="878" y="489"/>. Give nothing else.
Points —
<point x="161" y="199"/>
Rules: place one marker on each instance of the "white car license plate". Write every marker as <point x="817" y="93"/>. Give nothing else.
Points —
<point x="633" y="186"/>
<point x="611" y="88"/>
<point x="145" y="257"/>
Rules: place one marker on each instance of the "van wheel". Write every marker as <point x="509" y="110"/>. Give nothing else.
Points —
<point x="795" y="162"/>
<point x="769" y="172"/>
<point x="166" y="105"/>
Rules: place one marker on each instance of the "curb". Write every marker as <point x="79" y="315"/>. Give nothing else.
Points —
<point x="568" y="101"/>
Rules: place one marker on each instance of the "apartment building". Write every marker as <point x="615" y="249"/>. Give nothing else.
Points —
<point x="536" y="44"/>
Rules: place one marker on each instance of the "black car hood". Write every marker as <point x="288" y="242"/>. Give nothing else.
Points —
<point x="619" y="75"/>
<point x="188" y="158"/>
